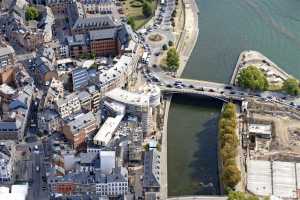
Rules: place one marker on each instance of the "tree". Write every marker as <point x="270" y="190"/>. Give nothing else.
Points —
<point x="231" y="176"/>
<point x="228" y="152"/>
<point x="147" y="10"/>
<point x="253" y="78"/>
<point x="174" y="13"/>
<point x="171" y="43"/>
<point x="291" y="86"/>
<point x="172" y="59"/>
<point x="165" y="47"/>
<point x="131" y="22"/>
<point x="31" y="13"/>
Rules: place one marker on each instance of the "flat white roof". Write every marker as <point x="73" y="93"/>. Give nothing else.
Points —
<point x="276" y="178"/>
<point x="284" y="179"/>
<point x="104" y="134"/>
<point x="18" y="192"/>
<point x="265" y="129"/>
<point x="126" y="97"/>
<point x="259" y="177"/>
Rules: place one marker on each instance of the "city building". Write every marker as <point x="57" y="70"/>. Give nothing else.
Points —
<point x="7" y="160"/>
<point x="7" y="56"/>
<point x="85" y="100"/>
<point x="113" y="185"/>
<point x="77" y="128"/>
<point x="89" y="162"/>
<point x="15" y="192"/>
<point x="107" y="130"/>
<point x="98" y="7"/>
<point x="68" y="105"/>
<point x="72" y="183"/>
<point x="110" y="41"/>
<point x="95" y="97"/>
<point x="45" y="70"/>
<point x="80" y="78"/>
<point x="7" y="74"/>
<point x="107" y="161"/>
<point x="260" y="130"/>
<point x="79" y="183"/>
<point x="141" y="104"/>
<point x="54" y="93"/>
<point x="151" y="178"/>
<point x="58" y="7"/>
<point x="82" y="22"/>
<point x="15" y="112"/>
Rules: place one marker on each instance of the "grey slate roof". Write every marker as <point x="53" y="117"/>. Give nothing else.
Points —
<point x="100" y="22"/>
<point x="151" y="169"/>
<point x="78" y="39"/>
<point x="102" y="34"/>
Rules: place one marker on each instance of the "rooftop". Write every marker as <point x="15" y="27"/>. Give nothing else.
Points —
<point x="106" y="131"/>
<point x="81" y="121"/>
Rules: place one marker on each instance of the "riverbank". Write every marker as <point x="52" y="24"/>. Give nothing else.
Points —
<point x="185" y="46"/>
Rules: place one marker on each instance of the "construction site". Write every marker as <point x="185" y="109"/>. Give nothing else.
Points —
<point x="270" y="140"/>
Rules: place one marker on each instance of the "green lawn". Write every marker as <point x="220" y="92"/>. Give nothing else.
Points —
<point x="132" y="9"/>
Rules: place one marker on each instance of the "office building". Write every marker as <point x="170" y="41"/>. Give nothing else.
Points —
<point x="68" y="105"/>
<point x="77" y="128"/>
<point x="80" y="78"/>
<point x="7" y="56"/>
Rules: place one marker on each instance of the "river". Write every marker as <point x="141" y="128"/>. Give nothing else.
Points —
<point x="227" y="27"/>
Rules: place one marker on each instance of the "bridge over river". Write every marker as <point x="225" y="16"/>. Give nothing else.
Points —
<point x="221" y="91"/>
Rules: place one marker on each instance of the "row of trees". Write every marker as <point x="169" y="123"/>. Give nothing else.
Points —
<point x="229" y="142"/>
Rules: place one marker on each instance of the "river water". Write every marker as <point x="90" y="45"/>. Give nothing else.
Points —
<point x="227" y="27"/>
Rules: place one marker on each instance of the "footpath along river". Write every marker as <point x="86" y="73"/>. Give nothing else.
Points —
<point x="226" y="27"/>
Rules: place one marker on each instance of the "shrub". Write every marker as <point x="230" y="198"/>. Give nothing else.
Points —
<point x="291" y="86"/>
<point x="31" y="13"/>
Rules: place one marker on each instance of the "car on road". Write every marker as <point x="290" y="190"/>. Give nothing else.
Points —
<point x="228" y="87"/>
<point x="36" y="149"/>
<point x="37" y="168"/>
<point x="211" y="90"/>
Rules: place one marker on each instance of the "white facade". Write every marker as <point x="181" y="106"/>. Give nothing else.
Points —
<point x="68" y="105"/>
<point x="112" y="189"/>
<point x="107" y="161"/>
<point x="5" y="170"/>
